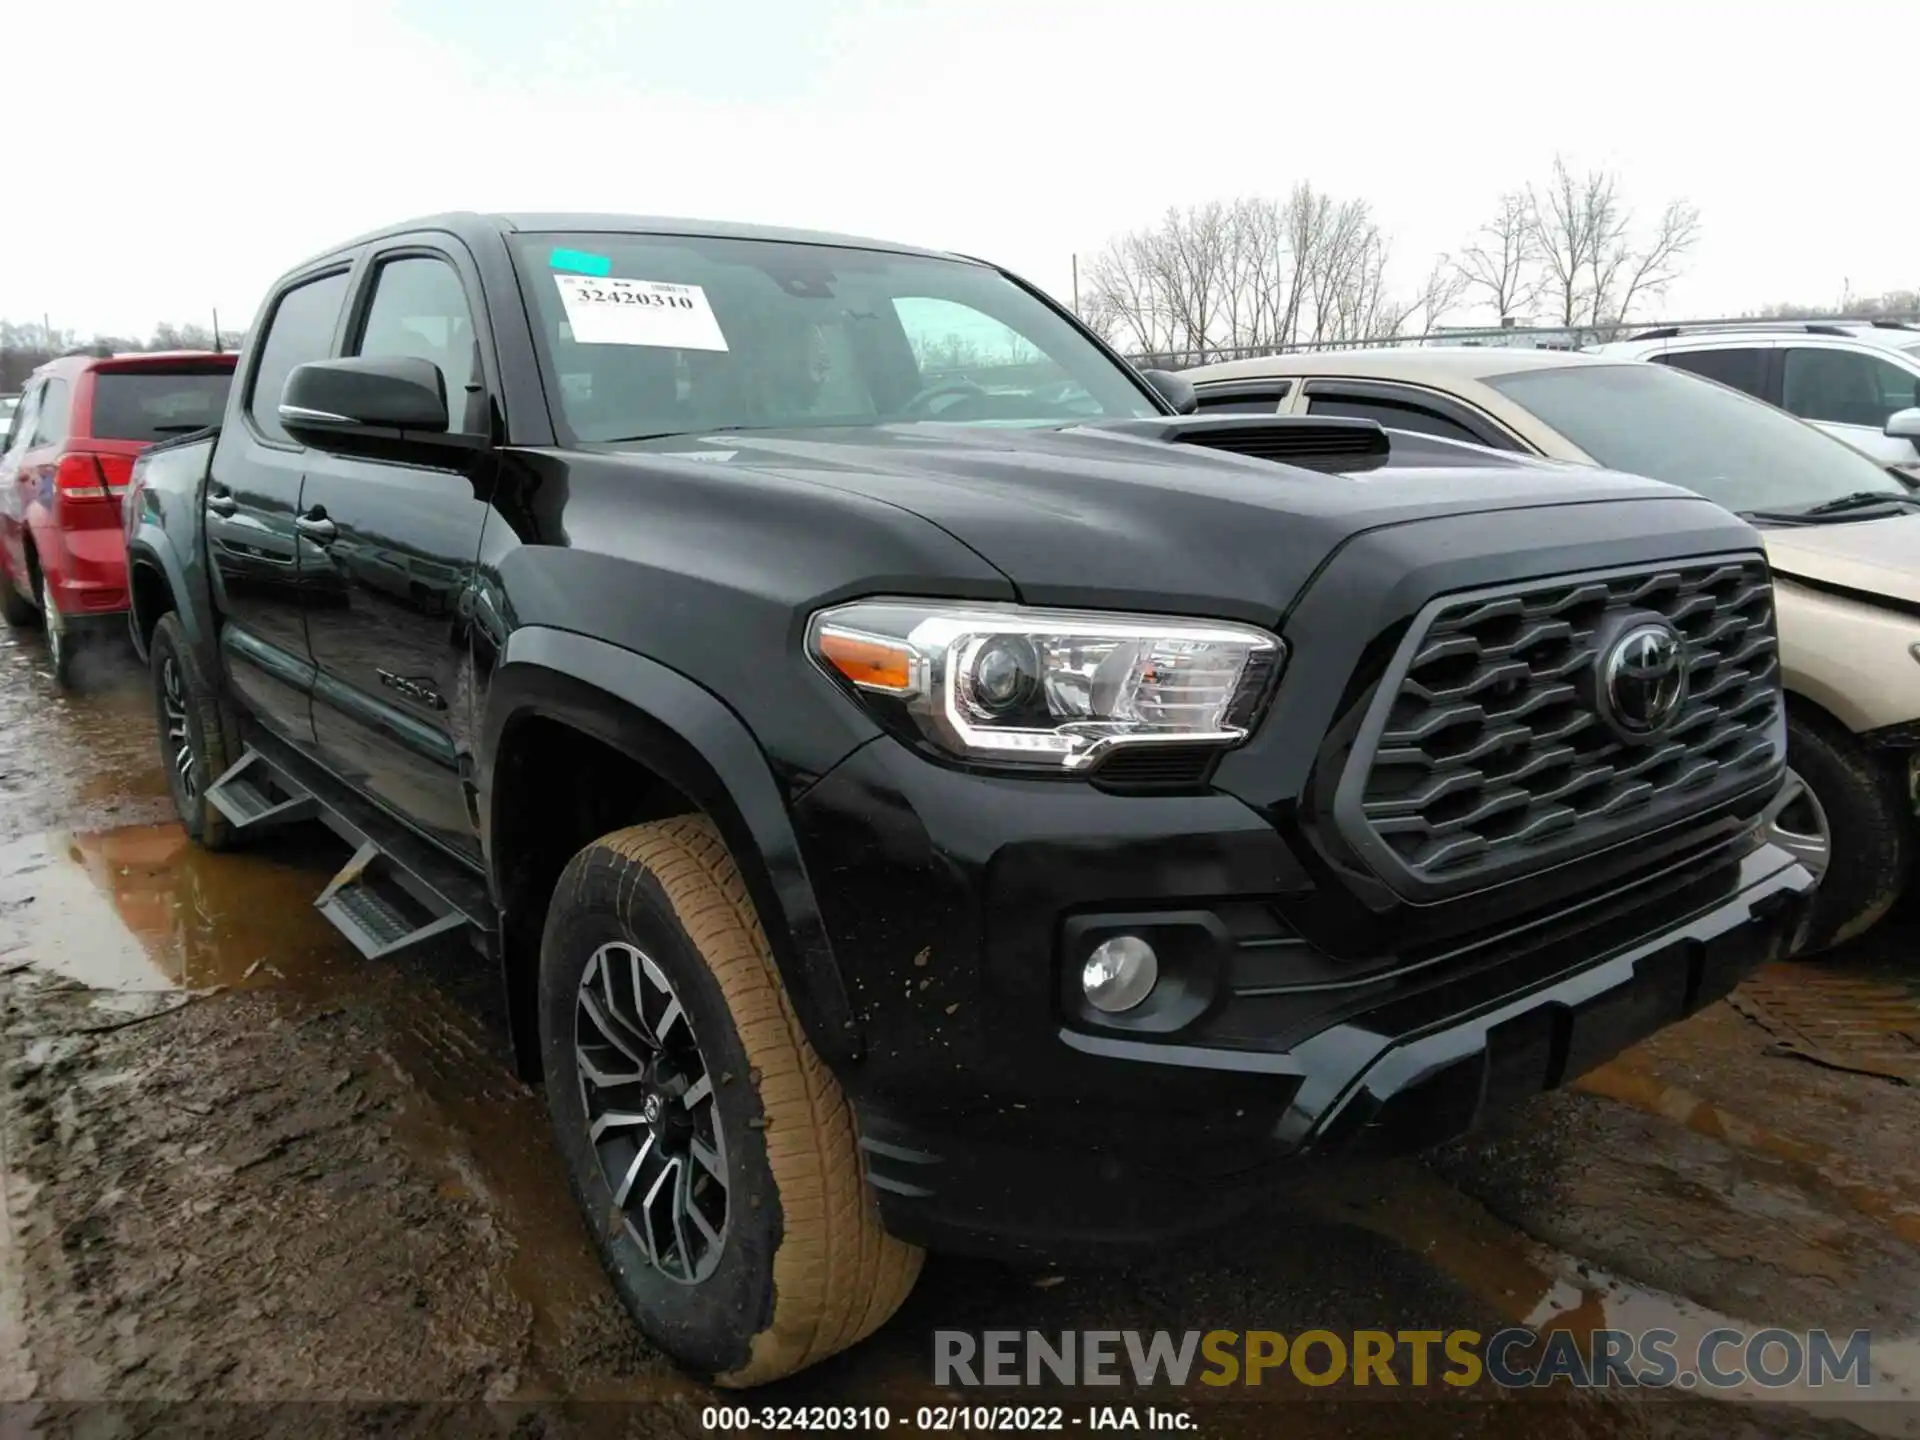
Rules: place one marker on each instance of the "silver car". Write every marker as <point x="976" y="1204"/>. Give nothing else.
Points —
<point x="1858" y="382"/>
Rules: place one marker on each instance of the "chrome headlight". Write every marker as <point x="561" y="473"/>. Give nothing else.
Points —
<point x="1056" y="689"/>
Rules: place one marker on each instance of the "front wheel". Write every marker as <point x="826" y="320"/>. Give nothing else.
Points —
<point x="712" y="1153"/>
<point x="1845" y="815"/>
<point x="15" y="608"/>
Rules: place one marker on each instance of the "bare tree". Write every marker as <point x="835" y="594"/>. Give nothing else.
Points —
<point x="1257" y="274"/>
<point x="1436" y="298"/>
<point x="1596" y="267"/>
<point x="1574" y="221"/>
<point x="1630" y="270"/>
<point x="1504" y="258"/>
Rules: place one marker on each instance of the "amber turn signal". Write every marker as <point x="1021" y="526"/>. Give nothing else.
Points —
<point x="869" y="663"/>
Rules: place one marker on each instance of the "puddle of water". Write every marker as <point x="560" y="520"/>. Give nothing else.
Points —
<point x="89" y="751"/>
<point x="1545" y="1289"/>
<point x="142" y="908"/>
<point x="1810" y="1166"/>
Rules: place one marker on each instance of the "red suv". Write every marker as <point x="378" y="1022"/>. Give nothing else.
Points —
<point x="68" y="452"/>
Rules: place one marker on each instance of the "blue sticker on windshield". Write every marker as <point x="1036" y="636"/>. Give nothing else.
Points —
<point x="580" y="262"/>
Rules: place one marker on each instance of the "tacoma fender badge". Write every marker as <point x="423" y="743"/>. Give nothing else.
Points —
<point x="412" y="689"/>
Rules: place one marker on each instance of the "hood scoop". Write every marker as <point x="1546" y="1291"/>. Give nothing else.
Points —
<point x="1313" y="441"/>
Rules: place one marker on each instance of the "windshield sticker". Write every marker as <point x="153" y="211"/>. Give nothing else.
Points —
<point x="639" y="312"/>
<point x="581" y="262"/>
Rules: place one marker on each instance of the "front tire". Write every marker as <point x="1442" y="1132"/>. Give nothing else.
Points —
<point x="1869" y="828"/>
<point x="712" y="1153"/>
<point x="15" y="608"/>
<point x="193" y="733"/>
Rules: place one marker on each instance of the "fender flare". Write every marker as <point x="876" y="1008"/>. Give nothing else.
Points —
<point x="691" y="739"/>
<point x="142" y="550"/>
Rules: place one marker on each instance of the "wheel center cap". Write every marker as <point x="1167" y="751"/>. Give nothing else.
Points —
<point x="653" y="1109"/>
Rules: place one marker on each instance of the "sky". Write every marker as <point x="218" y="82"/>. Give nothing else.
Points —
<point x="195" y="149"/>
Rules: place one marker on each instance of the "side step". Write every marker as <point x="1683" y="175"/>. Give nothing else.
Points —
<point x="397" y="893"/>
<point x="382" y="909"/>
<point x="256" y="797"/>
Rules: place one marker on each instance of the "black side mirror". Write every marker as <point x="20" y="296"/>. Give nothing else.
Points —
<point x="1176" y="390"/>
<point x="387" y="407"/>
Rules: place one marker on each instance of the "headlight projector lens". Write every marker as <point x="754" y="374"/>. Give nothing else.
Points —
<point x="1006" y="675"/>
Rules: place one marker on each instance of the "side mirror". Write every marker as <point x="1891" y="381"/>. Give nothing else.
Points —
<point x="1905" y="424"/>
<point x="391" y="407"/>
<point x="1176" y="390"/>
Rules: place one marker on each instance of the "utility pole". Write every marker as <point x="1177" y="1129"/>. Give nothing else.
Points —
<point x="216" y="330"/>
<point x="1076" y="284"/>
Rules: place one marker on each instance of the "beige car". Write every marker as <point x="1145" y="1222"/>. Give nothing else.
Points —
<point x="1842" y="533"/>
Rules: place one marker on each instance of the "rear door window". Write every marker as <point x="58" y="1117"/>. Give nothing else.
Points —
<point x="50" y="423"/>
<point x="1393" y="415"/>
<point x="1742" y="367"/>
<point x="148" y="405"/>
<point x="301" y="330"/>
<point x="1240" y="398"/>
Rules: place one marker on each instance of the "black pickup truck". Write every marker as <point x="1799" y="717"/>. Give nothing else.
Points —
<point x="919" y="784"/>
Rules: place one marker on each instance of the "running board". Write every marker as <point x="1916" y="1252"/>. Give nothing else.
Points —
<point x="398" y="893"/>
<point x="382" y="909"/>
<point x="257" y="797"/>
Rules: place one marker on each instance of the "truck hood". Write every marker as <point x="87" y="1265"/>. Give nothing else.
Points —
<point x="1875" y="557"/>
<point x="1097" y="515"/>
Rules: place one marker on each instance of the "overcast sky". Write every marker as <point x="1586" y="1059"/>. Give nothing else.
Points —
<point x="193" y="149"/>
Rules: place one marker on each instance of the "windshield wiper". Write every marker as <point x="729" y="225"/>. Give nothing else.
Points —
<point x="675" y="434"/>
<point x="1861" y="500"/>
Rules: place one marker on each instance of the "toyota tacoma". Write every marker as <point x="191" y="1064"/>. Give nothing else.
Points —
<point x="921" y="786"/>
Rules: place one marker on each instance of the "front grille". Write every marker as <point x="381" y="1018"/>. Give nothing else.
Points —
<point x="1487" y="754"/>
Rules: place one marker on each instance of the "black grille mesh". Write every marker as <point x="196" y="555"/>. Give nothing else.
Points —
<point x="1493" y="754"/>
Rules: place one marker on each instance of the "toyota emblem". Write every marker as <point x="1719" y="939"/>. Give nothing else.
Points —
<point x="1643" y="680"/>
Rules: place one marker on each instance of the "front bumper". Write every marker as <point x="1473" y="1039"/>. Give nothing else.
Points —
<point x="997" y="1119"/>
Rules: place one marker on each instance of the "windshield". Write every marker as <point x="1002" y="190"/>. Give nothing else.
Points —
<point x="1668" y="425"/>
<point x="646" y="335"/>
<point x="150" y="404"/>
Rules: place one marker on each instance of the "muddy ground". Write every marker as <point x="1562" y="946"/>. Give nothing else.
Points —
<point x="250" y="1184"/>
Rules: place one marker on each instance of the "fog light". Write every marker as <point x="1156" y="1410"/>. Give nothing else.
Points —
<point x="1119" y="974"/>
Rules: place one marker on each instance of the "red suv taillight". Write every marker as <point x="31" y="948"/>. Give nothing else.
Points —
<point x="87" y="487"/>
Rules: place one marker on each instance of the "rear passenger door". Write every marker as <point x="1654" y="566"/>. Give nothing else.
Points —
<point x="253" y="494"/>
<point x="400" y="543"/>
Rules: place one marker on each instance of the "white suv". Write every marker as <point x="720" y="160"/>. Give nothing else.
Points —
<point x="1860" y="382"/>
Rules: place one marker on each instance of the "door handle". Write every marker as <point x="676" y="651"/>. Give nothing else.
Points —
<point x="316" y="526"/>
<point x="221" y="503"/>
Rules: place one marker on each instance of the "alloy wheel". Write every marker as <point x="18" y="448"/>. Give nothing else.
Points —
<point x="652" y="1116"/>
<point x="1797" y="823"/>
<point x="179" y="736"/>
